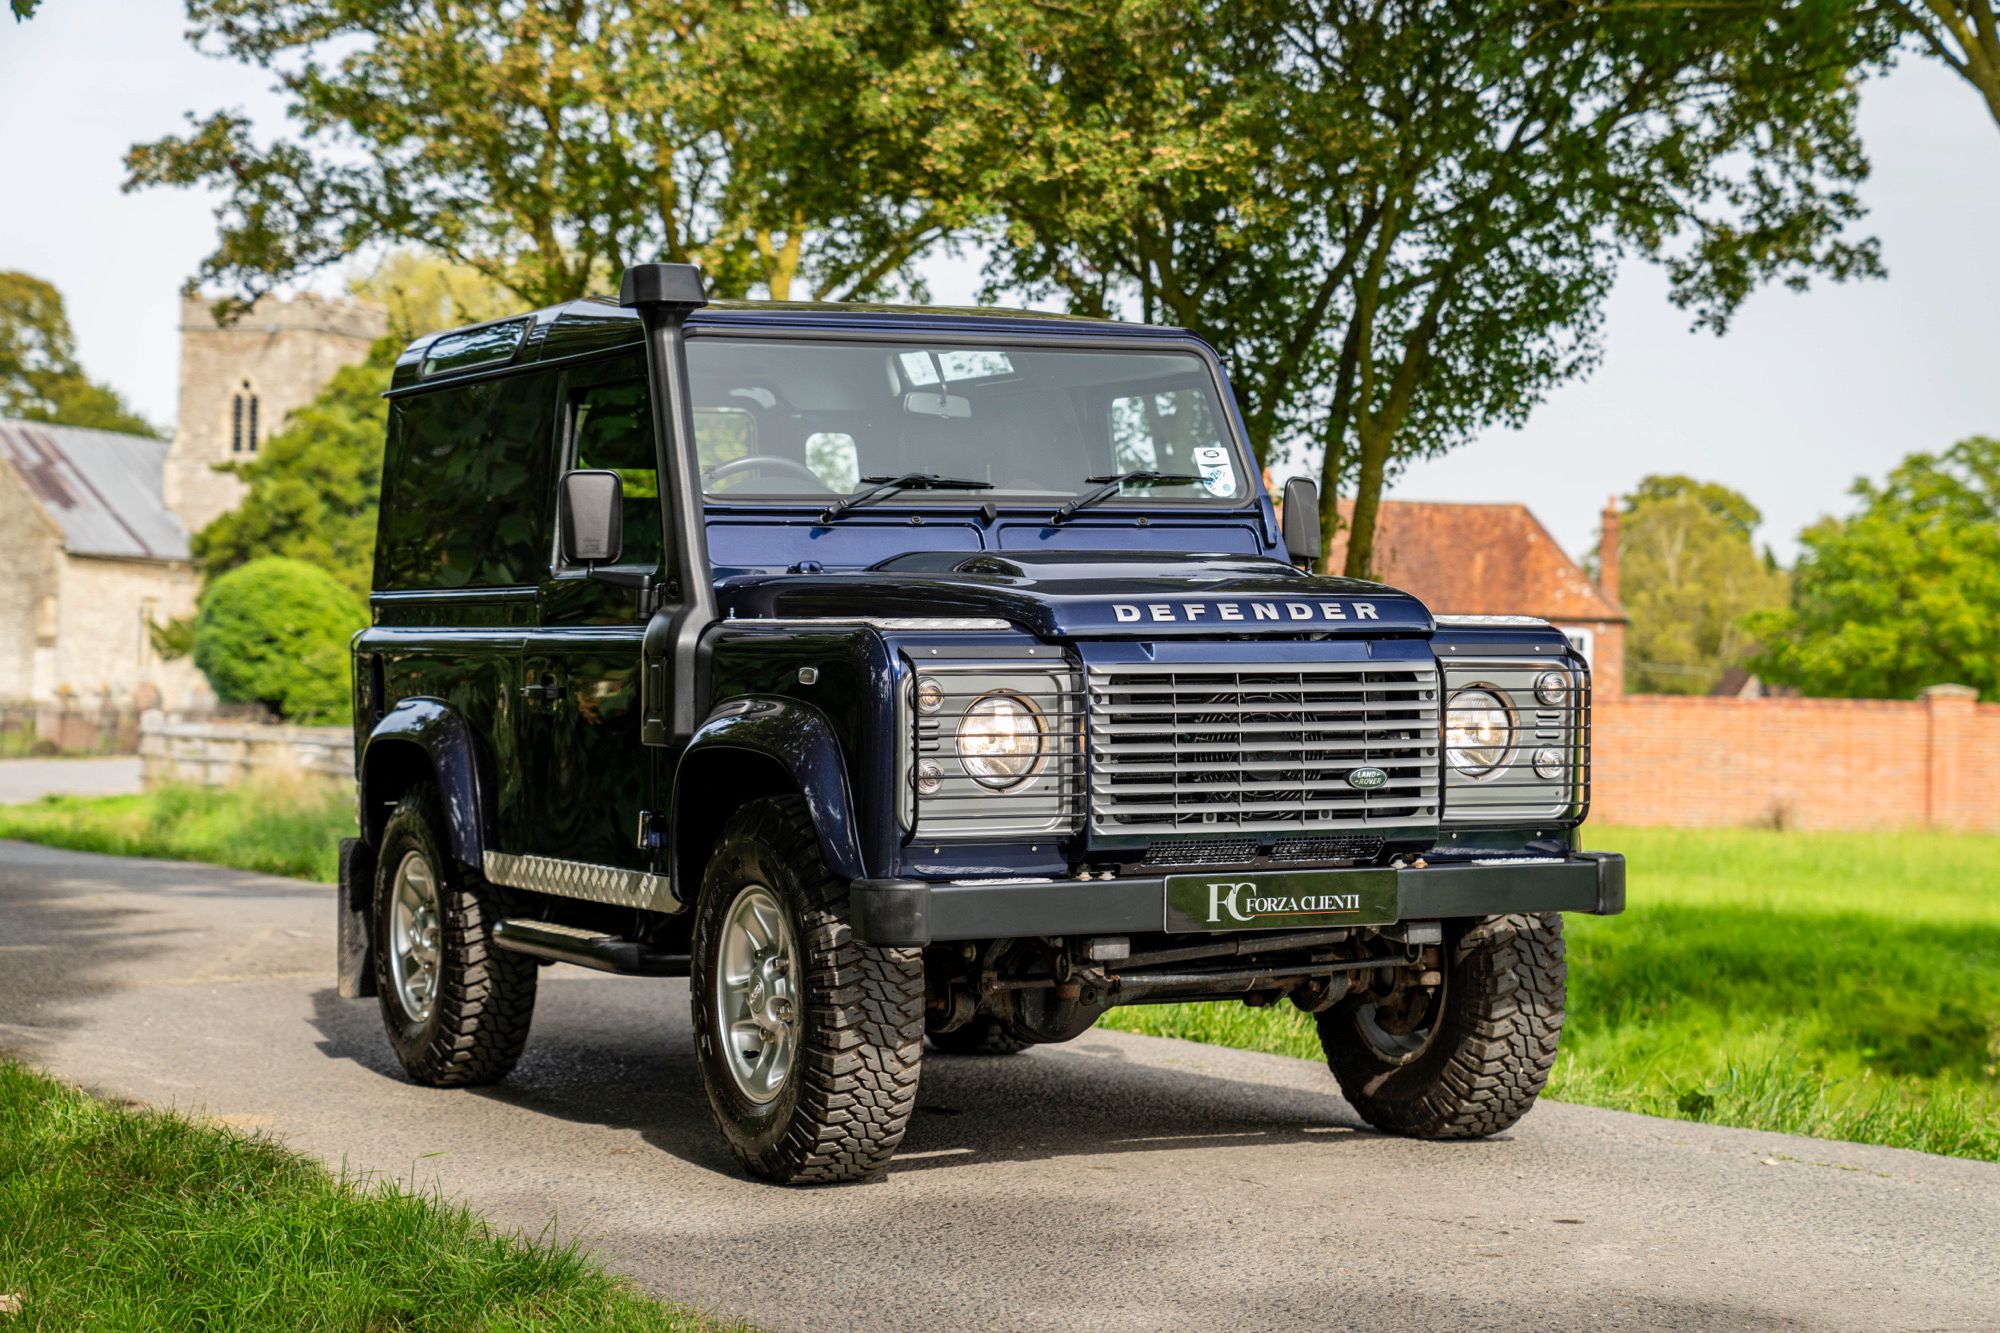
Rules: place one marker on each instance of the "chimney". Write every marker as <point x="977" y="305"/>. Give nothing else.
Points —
<point x="1607" y="552"/>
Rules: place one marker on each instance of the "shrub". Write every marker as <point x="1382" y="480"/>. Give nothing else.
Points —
<point x="275" y="632"/>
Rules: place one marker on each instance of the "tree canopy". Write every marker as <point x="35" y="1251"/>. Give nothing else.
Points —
<point x="40" y="378"/>
<point x="1398" y="220"/>
<point x="1689" y="577"/>
<point x="1905" y="593"/>
<point x="545" y="146"/>
<point x="1964" y="34"/>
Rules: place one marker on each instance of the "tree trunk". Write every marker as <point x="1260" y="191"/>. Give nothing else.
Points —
<point x="1367" y="499"/>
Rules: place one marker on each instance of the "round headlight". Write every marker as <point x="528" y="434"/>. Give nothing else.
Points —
<point x="1478" y="730"/>
<point x="1552" y="687"/>
<point x="1001" y="741"/>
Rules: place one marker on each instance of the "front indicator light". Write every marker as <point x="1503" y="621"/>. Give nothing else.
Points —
<point x="1548" y="763"/>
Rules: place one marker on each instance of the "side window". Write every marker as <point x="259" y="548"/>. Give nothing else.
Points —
<point x="463" y="474"/>
<point x="611" y="426"/>
<point x="833" y="455"/>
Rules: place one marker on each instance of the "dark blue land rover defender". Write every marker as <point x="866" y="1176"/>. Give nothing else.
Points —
<point x="902" y="675"/>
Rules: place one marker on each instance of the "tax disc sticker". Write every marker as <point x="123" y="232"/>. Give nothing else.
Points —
<point x="1213" y="463"/>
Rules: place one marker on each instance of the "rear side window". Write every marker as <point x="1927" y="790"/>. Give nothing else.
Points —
<point x="462" y="479"/>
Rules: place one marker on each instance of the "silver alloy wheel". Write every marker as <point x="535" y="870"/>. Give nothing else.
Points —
<point x="755" y="1004"/>
<point x="413" y="936"/>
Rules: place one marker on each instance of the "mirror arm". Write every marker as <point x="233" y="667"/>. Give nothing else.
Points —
<point x="641" y="581"/>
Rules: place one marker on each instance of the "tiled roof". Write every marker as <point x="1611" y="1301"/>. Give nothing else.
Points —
<point x="1478" y="560"/>
<point x="102" y="489"/>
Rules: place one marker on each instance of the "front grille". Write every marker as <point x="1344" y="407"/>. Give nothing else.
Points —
<point x="1327" y="849"/>
<point x="1234" y="750"/>
<point x="1203" y="852"/>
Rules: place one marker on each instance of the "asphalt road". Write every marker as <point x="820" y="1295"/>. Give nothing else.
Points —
<point x="32" y="779"/>
<point x="1114" y="1183"/>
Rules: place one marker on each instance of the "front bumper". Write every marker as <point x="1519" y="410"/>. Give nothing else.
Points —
<point x="904" y="912"/>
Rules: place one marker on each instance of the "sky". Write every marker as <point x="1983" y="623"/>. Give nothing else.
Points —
<point x="1805" y="392"/>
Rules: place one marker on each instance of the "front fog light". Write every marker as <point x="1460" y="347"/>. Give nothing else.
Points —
<point x="1001" y="741"/>
<point x="1478" y="730"/>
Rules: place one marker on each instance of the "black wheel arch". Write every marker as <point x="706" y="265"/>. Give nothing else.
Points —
<point x="427" y="740"/>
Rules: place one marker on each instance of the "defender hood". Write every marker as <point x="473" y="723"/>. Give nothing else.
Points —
<point x="1089" y="595"/>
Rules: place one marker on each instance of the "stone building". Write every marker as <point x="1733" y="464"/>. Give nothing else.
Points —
<point x="94" y="525"/>
<point x="1497" y="560"/>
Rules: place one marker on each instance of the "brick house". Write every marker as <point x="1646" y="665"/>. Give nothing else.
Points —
<point x="1498" y="560"/>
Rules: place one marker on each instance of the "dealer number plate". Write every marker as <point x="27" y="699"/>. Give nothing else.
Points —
<point x="1282" y="899"/>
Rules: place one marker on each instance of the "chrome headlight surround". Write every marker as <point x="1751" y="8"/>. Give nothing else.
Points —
<point x="1544" y="773"/>
<point x="1479" y="731"/>
<point x="991" y="746"/>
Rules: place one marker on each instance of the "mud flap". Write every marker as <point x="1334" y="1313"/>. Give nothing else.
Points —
<point x="353" y="968"/>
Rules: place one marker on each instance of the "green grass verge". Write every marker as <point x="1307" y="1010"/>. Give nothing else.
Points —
<point x="1845" y="986"/>
<point x="111" y="1218"/>
<point x="293" y="829"/>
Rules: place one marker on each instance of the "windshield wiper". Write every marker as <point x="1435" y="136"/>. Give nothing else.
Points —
<point x="1113" y="483"/>
<point x="885" y="487"/>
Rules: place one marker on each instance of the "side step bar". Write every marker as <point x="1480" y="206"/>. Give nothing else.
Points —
<point x="587" y="948"/>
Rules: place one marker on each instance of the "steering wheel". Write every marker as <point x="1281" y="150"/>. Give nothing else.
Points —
<point x="761" y="463"/>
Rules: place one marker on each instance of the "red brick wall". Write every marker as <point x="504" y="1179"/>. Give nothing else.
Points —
<point x="1805" y="763"/>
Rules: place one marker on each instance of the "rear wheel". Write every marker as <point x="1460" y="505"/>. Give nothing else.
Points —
<point x="1464" y="1059"/>
<point x="810" y="1042"/>
<point x="456" y="1008"/>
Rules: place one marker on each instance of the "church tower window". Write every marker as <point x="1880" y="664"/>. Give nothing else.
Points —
<point x="243" y="421"/>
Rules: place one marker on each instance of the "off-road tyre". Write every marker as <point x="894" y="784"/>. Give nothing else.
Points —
<point x="1489" y="1051"/>
<point x="860" y="1012"/>
<point x="485" y="999"/>
<point x="984" y="1035"/>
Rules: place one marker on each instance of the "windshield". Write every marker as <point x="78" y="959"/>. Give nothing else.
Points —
<point x="812" y="419"/>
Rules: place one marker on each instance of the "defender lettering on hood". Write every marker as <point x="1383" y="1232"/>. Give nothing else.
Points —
<point x="1172" y="612"/>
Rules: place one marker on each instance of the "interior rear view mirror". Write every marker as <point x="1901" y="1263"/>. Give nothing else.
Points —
<point x="936" y="403"/>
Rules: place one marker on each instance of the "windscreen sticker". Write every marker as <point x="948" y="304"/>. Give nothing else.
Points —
<point x="1216" y="473"/>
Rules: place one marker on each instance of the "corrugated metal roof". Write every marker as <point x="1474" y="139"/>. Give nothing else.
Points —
<point x="1478" y="559"/>
<point x="102" y="489"/>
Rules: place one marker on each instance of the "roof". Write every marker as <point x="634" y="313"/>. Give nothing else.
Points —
<point x="599" y="324"/>
<point x="102" y="489"/>
<point x="1478" y="560"/>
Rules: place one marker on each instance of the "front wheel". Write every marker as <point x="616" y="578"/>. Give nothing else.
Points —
<point x="809" y="1041"/>
<point x="1467" y="1058"/>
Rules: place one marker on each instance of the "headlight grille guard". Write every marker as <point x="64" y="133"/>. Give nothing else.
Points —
<point x="1513" y="793"/>
<point x="958" y="808"/>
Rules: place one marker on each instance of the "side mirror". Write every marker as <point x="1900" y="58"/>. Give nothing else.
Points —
<point x="593" y="517"/>
<point x="1302" y="537"/>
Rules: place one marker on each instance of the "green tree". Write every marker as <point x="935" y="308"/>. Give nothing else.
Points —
<point x="546" y="146"/>
<point x="315" y="486"/>
<point x="1397" y="220"/>
<point x="424" y="293"/>
<point x="1903" y="594"/>
<point x="25" y="9"/>
<point x="1689" y="576"/>
<point x="40" y="379"/>
<point x="1964" y="34"/>
<point x="275" y="632"/>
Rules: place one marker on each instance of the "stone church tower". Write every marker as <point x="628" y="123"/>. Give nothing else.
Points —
<point x="239" y="383"/>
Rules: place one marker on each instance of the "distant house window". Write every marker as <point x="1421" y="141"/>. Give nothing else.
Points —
<point x="243" y="421"/>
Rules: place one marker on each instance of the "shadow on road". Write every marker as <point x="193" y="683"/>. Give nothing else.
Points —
<point x="619" y="1053"/>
